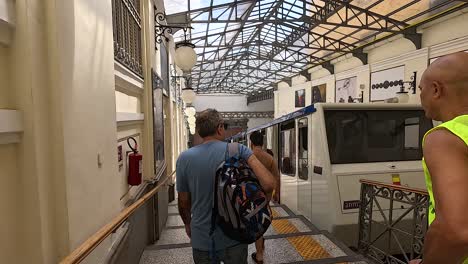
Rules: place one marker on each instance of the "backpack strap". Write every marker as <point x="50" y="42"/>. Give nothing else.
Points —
<point x="214" y="214"/>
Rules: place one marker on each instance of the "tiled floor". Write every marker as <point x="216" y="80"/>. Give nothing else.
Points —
<point x="290" y="239"/>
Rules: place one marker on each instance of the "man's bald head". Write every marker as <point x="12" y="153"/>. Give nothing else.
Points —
<point x="452" y="71"/>
<point x="444" y="86"/>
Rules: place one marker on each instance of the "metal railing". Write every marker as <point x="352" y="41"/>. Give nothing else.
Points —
<point x="126" y="20"/>
<point x="85" y="249"/>
<point x="392" y="222"/>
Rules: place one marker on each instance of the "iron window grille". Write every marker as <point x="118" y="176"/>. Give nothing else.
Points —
<point x="126" y="19"/>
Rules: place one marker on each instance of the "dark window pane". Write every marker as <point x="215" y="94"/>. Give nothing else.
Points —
<point x="288" y="152"/>
<point x="375" y="135"/>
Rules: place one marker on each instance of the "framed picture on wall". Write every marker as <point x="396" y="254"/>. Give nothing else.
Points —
<point x="300" y="98"/>
<point x="158" y="123"/>
<point x="346" y="90"/>
<point x="319" y="93"/>
<point x="386" y="83"/>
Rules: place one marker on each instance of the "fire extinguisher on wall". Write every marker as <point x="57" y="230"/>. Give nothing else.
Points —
<point x="134" y="164"/>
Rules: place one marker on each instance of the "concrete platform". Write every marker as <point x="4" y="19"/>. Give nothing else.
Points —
<point x="290" y="239"/>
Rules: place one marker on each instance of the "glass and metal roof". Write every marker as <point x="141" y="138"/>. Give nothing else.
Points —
<point x="246" y="46"/>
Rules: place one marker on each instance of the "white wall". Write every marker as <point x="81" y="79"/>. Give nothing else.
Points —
<point x="397" y="51"/>
<point x="9" y="222"/>
<point x="254" y="122"/>
<point x="62" y="80"/>
<point x="87" y="64"/>
<point x="59" y="72"/>
<point x="8" y="173"/>
<point x="230" y="103"/>
<point x="5" y="98"/>
<point x="262" y="106"/>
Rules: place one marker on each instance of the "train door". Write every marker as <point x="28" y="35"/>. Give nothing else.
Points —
<point x="303" y="156"/>
<point x="288" y="164"/>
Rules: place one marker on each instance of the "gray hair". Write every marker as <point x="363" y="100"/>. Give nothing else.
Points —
<point x="208" y="122"/>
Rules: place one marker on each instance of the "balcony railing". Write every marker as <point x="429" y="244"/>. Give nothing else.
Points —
<point x="126" y="18"/>
<point x="392" y="222"/>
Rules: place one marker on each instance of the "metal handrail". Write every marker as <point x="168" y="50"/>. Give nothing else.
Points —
<point x="395" y="187"/>
<point x="386" y="223"/>
<point x="91" y="243"/>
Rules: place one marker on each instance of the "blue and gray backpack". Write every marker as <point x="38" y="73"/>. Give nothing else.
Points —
<point x="240" y="206"/>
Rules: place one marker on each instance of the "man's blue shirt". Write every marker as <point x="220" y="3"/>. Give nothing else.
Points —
<point x="196" y="170"/>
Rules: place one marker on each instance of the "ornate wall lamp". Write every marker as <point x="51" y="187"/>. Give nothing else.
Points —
<point x="185" y="55"/>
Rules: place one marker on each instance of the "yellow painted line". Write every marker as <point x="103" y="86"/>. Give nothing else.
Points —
<point x="308" y="248"/>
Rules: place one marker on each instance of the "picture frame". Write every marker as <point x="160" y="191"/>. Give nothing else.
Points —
<point x="346" y="90"/>
<point x="319" y="93"/>
<point x="385" y="84"/>
<point x="299" y="99"/>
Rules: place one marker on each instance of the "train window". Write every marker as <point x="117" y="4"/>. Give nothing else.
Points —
<point x="375" y="135"/>
<point x="412" y="133"/>
<point x="288" y="152"/>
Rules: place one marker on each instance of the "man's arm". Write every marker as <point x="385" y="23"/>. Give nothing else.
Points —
<point x="276" y="175"/>
<point x="446" y="157"/>
<point x="264" y="176"/>
<point x="185" y="205"/>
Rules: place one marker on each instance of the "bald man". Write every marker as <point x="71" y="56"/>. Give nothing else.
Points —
<point x="444" y="97"/>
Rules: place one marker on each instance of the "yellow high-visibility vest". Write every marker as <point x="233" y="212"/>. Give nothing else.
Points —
<point x="459" y="127"/>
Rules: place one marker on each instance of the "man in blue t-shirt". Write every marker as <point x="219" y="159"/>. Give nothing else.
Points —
<point x="196" y="169"/>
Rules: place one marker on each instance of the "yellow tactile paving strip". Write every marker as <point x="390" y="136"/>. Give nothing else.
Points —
<point x="306" y="246"/>
<point x="283" y="226"/>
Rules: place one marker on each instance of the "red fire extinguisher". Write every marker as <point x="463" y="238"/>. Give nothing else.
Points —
<point x="134" y="164"/>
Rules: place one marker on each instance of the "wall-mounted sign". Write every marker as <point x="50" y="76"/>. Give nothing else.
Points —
<point x="319" y="93"/>
<point x="346" y="90"/>
<point x="300" y="98"/>
<point x="386" y="83"/>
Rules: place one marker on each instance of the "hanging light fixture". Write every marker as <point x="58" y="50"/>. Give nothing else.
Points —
<point x="191" y="120"/>
<point x="185" y="56"/>
<point x="188" y="95"/>
<point x="190" y="111"/>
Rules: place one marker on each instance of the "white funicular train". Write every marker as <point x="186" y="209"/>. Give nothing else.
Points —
<point x="323" y="150"/>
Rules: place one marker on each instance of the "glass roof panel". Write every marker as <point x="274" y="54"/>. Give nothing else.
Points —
<point x="257" y="51"/>
<point x="175" y="6"/>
